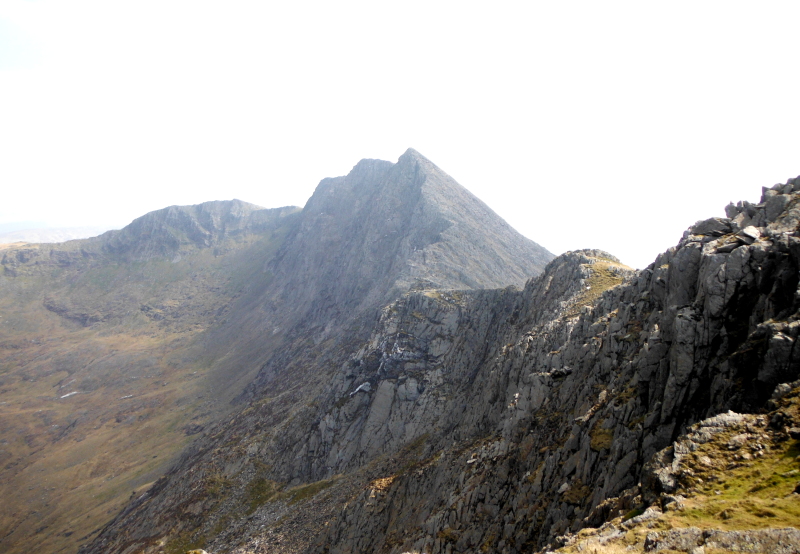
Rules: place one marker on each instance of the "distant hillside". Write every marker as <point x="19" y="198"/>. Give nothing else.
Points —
<point x="103" y="373"/>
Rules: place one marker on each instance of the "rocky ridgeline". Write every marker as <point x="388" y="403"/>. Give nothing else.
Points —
<point x="103" y="264"/>
<point x="164" y="233"/>
<point x="160" y="234"/>
<point x="495" y="420"/>
<point x="545" y="416"/>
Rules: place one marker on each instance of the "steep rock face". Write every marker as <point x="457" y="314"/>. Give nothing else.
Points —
<point x="365" y="238"/>
<point x="562" y="413"/>
<point x="418" y="374"/>
<point x="413" y="222"/>
<point x="730" y="484"/>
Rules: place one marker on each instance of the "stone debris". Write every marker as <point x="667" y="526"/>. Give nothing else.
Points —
<point x="757" y="541"/>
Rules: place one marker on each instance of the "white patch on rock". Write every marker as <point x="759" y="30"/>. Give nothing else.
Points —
<point x="365" y="387"/>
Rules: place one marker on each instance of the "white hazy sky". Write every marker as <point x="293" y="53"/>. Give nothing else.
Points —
<point x="610" y="125"/>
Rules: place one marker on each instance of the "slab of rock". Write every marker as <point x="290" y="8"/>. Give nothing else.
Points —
<point x="749" y="234"/>
<point x="715" y="226"/>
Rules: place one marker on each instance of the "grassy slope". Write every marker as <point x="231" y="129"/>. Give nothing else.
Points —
<point x="142" y="379"/>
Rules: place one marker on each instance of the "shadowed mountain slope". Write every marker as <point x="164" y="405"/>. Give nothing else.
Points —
<point x="361" y="241"/>
<point x="103" y="372"/>
<point x="386" y="228"/>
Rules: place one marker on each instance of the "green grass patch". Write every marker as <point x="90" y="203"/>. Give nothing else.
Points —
<point x="216" y="484"/>
<point x="182" y="543"/>
<point x="577" y="494"/>
<point x="304" y="492"/>
<point x="221" y="525"/>
<point x="448" y="535"/>
<point x="260" y="491"/>
<point x="601" y="439"/>
<point x="411" y="453"/>
<point x="633" y="513"/>
<point x="602" y="277"/>
<point x="757" y="494"/>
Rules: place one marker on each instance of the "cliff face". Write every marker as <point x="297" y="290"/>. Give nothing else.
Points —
<point x="566" y="405"/>
<point x="561" y="413"/>
<point x="366" y="238"/>
<point x="494" y="420"/>
<point x="360" y="242"/>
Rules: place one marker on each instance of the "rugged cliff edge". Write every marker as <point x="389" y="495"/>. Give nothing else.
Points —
<point x="497" y="420"/>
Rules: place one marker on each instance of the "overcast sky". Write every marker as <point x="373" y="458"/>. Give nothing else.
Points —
<point x="610" y="125"/>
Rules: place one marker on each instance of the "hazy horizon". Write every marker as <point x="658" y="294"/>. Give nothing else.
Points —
<point x="584" y="125"/>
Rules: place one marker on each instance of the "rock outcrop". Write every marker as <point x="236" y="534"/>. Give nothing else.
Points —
<point x="729" y="484"/>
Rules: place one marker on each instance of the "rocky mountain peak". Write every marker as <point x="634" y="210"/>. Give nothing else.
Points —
<point x="162" y="233"/>
<point x="385" y="228"/>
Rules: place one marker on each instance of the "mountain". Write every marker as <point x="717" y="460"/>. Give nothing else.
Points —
<point x="121" y="351"/>
<point x="597" y="407"/>
<point x="507" y="420"/>
<point x="393" y="369"/>
<point x="103" y="373"/>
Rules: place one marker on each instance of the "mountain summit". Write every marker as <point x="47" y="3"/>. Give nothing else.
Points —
<point x="415" y="221"/>
<point x="386" y="228"/>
